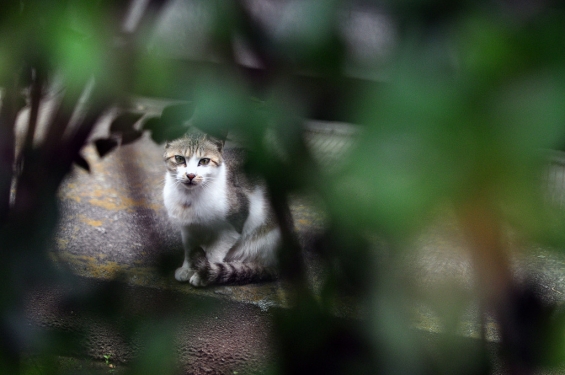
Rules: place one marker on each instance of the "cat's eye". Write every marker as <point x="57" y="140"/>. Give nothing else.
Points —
<point x="204" y="161"/>
<point x="179" y="159"/>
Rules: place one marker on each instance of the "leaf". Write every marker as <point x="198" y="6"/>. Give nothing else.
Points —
<point x="152" y="124"/>
<point x="177" y="114"/>
<point x="221" y="134"/>
<point x="131" y="136"/>
<point x="21" y="102"/>
<point x="124" y="122"/>
<point x="105" y="145"/>
<point x="168" y="134"/>
<point x="171" y="124"/>
<point x="81" y="162"/>
<point x="161" y="133"/>
<point x="174" y="133"/>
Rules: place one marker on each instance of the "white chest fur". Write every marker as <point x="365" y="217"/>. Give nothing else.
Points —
<point x="198" y="205"/>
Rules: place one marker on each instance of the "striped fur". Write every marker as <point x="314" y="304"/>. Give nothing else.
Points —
<point x="208" y="273"/>
<point x="228" y="229"/>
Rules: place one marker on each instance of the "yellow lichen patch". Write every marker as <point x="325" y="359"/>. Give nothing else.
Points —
<point x="122" y="203"/>
<point x="140" y="203"/>
<point x="74" y="197"/>
<point x="62" y="243"/>
<point x="106" y="204"/>
<point x="99" y="192"/>
<point x="91" y="222"/>
<point x="304" y="222"/>
<point x="107" y="270"/>
<point x="90" y="266"/>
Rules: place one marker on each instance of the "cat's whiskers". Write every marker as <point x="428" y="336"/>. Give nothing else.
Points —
<point x="208" y="181"/>
<point x="178" y="182"/>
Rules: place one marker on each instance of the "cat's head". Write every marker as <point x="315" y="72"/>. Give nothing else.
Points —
<point x="194" y="160"/>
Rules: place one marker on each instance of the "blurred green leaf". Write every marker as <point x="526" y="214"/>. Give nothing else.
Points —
<point x="177" y="114"/>
<point x="124" y="122"/>
<point x="172" y="124"/>
<point x="158" y="354"/>
<point x="222" y="105"/>
<point x="131" y="136"/>
<point x="105" y="145"/>
<point x="158" y="76"/>
<point x="79" y="56"/>
<point x="81" y="162"/>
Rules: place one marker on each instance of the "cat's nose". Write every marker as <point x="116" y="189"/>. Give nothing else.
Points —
<point x="191" y="176"/>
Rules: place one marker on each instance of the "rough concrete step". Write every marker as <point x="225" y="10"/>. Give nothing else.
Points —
<point x="114" y="227"/>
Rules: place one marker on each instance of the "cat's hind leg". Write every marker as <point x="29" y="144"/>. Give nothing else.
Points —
<point x="208" y="264"/>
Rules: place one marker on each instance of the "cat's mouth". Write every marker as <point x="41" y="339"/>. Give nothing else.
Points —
<point x="189" y="183"/>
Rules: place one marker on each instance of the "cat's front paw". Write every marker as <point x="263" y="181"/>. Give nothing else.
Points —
<point x="197" y="281"/>
<point x="184" y="274"/>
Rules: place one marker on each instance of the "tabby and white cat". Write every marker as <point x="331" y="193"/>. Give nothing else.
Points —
<point x="228" y="230"/>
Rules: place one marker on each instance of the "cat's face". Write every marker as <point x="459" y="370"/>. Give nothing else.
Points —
<point x="194" y="160"/>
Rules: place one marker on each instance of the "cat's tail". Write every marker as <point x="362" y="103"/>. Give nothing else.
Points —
<point x="230" y="272"/>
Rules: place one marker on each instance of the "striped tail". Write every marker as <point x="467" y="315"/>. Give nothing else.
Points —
<point x="230" y="273"/>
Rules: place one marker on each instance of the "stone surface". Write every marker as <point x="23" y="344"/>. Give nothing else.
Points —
<point x="114" y="227"/>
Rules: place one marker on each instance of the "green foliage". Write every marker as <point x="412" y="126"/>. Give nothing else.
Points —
<point x="472" y="102"/>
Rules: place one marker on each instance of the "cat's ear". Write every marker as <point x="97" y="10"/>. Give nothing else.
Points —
<point x="219" y="143"/>
<point x="218" y="138"/>
<point x="168" y="144"/>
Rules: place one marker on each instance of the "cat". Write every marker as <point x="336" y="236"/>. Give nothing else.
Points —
<point x="228" y="229"/>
